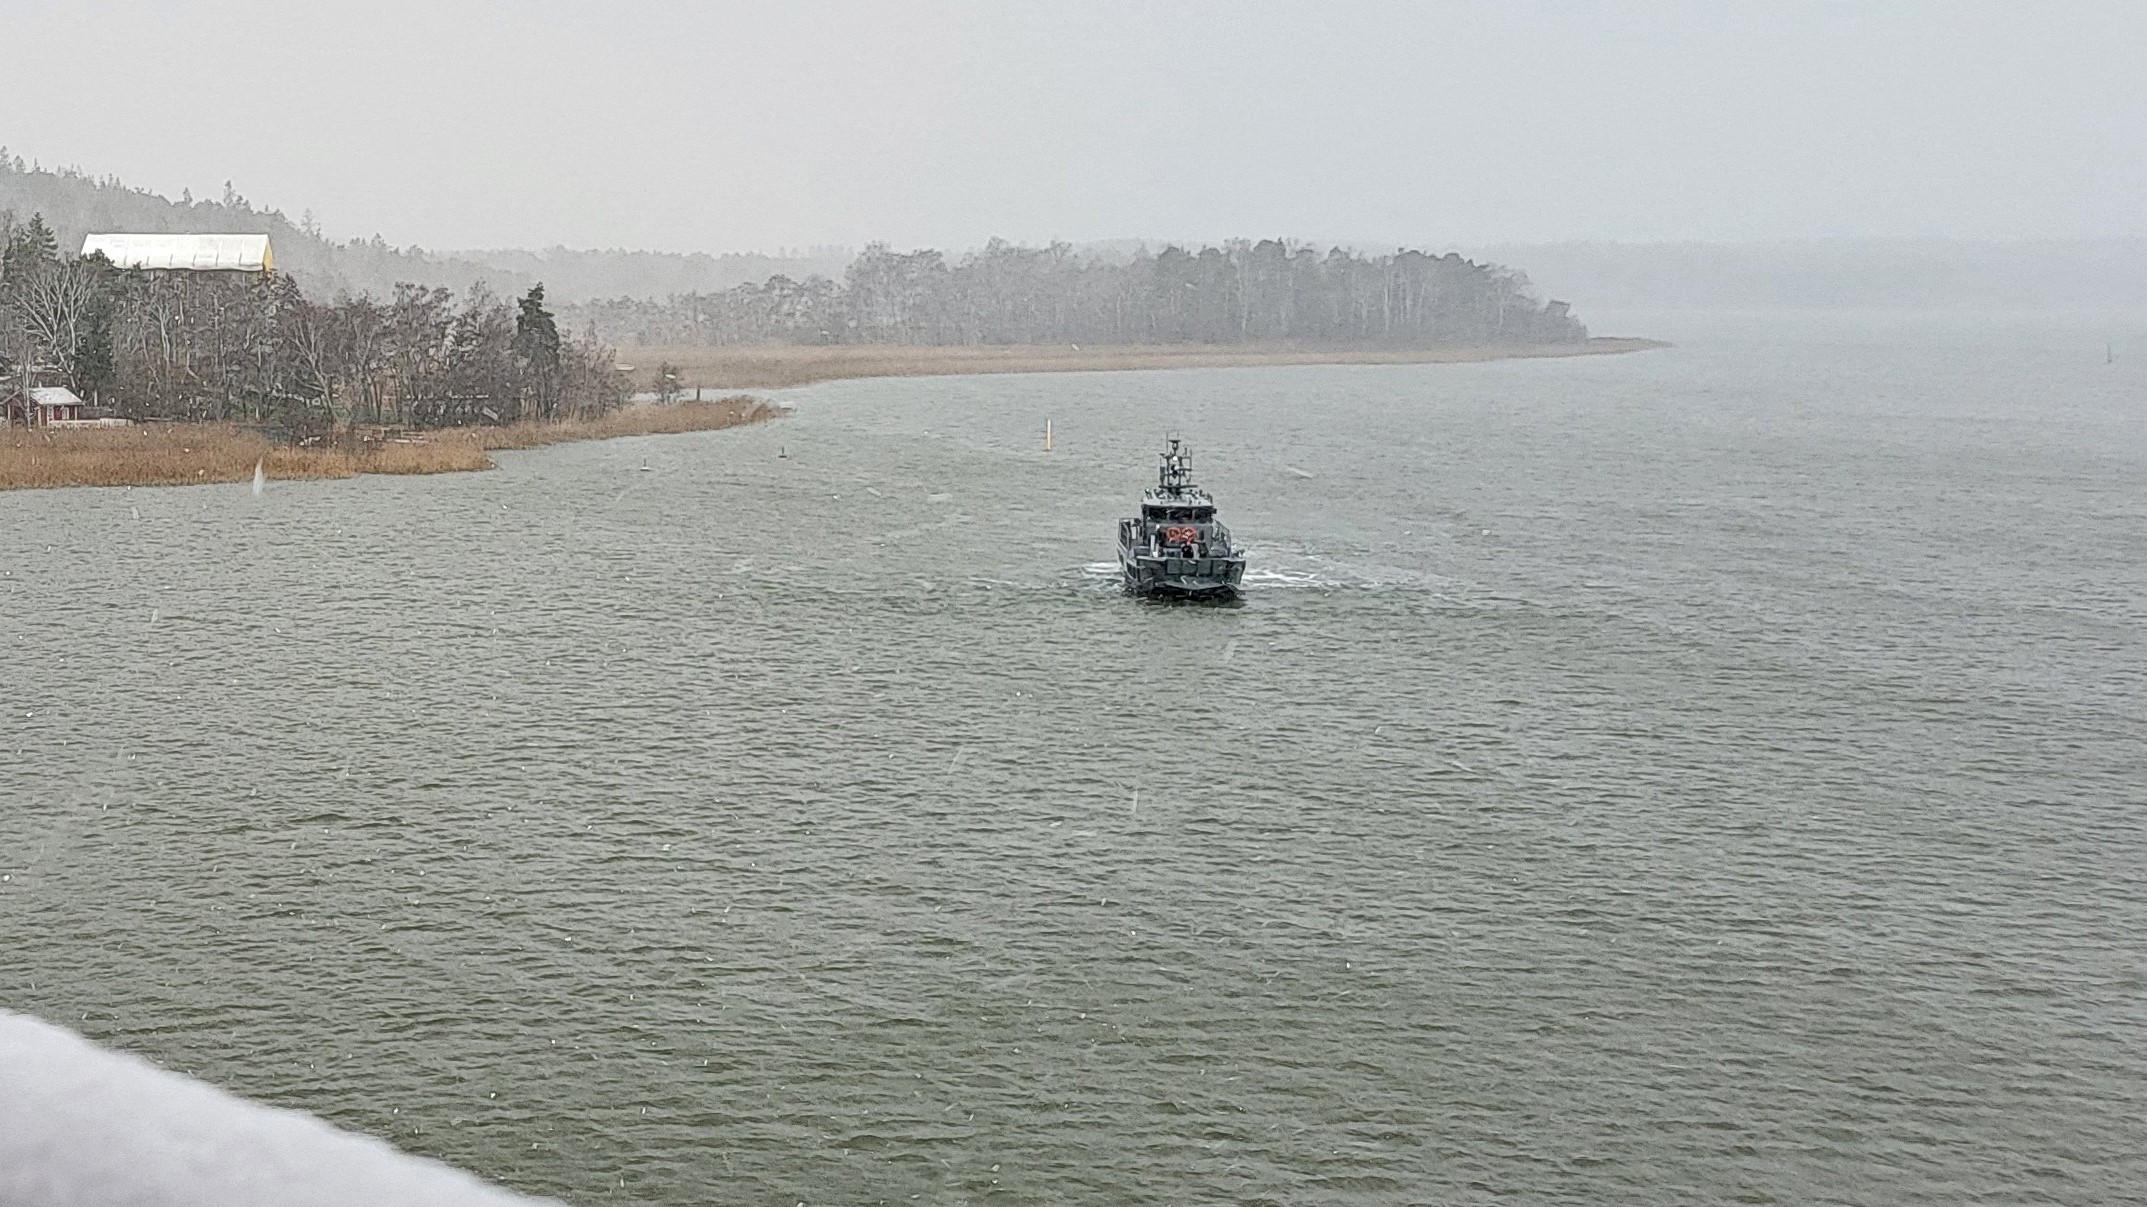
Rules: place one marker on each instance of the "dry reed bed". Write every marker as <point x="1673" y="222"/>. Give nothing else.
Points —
<point x="763" y="367"/>
<point x="640" y="420"/>
<point x="179" y="454"/>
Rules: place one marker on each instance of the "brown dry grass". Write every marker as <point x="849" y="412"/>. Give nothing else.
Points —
<point x="640" y="420"/>
<point x="180" y="454"/>
<point x="772" y="367"/>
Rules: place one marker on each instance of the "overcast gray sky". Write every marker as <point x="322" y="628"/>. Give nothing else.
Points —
<point x="751" y="126"/>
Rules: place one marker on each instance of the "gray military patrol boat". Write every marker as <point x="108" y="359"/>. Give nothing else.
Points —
<point x="1175" y="547"/>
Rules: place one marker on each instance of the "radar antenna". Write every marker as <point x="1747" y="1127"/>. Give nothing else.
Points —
<point x="1176" y="475"/>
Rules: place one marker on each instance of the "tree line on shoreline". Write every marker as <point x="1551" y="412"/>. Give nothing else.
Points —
<point x="1242" y="292"/>
<point x="254" y="348"/>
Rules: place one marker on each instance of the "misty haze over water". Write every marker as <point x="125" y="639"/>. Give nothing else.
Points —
<point x="1928" y="273"/>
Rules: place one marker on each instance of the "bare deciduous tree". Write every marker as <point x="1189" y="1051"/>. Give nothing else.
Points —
<point x="53" y="306"/>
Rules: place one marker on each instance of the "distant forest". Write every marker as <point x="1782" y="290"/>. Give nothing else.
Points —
<point x="1241" y="292"/>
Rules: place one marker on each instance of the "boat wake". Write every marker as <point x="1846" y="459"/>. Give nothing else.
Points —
<point x="1303" y="572"/>
<point x="1108" y="577"/>
<point x="1289" y="578"/>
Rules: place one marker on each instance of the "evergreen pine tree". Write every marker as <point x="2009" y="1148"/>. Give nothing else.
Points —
<point x="30" y="246"/>
<point x="536" y="333"/>
<point x="94" y="367"/>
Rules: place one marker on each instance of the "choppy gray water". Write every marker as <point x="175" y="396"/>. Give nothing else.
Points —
<point x="1715" y="774"/>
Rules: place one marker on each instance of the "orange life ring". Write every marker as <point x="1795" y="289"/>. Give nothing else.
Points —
<point x="1181" y="534"/>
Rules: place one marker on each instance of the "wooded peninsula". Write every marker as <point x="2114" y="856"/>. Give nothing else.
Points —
<point x="1240" y="293"/>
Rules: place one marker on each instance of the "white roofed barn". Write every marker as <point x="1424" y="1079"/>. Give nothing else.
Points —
<point x="185" y="253"/>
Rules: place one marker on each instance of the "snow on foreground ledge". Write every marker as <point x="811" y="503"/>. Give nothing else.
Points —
<point x="80" y="1125"/>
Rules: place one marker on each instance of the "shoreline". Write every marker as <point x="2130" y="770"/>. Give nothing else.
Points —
<point x="777" y="366"/>
<point x="194" y="454"/>
<point x="198" y="454"/>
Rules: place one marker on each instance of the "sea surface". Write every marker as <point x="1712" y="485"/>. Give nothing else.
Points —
<point x="1717" y="774"/>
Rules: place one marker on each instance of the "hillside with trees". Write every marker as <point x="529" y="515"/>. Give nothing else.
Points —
<point x="75" y="204"/>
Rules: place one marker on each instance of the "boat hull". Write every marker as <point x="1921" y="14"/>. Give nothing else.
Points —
<point x="1181" y="577"/>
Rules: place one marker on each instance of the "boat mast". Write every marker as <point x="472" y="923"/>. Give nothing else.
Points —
<point x="1177" y="471"/>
